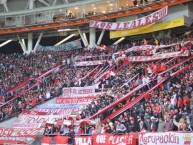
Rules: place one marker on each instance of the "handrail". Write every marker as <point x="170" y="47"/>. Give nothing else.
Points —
<point x="128" y="95"/>
<point x="133" y="102"/>
<point x="38" y="82"/>
<point x="83" y="20"/>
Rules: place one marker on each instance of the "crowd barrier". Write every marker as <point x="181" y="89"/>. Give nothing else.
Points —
<point x="141" y="138"/>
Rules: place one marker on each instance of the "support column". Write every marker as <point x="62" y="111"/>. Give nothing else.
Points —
<point x="30" y="43"/>
<point x="85" y="38"/>
<point x="38" y="42"/>
<point x="100" y="37"/>
<point x="22" y="45"/>
<point x="92" y="37"/>
<point x="82" y="37"/>
<point x="31" y="4"/>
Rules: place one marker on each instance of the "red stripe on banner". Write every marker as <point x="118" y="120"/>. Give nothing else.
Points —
<point x="61" y="140"/>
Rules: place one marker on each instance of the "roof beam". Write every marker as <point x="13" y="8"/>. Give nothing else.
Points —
<point x="4" y="3"/>
<point x="44" y="2"/>
<point x="54" y="3"/>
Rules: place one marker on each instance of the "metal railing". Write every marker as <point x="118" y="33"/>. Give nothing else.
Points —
<point x="61" y="13"/>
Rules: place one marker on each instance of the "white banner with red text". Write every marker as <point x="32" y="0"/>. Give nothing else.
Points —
<point x="165" y="138"/>
<point x="13" y="140"/>
<point x="144" y="21"/>
<point x="82" y="100"/>
<point x="90" y="63"/>
<point x="154" y="57"/>
<point x="20" y="132"/>
<point x="58" y="111"/>
<point x="27" y="125"/>
<point x="79" y="91"/>
<point x="38" y="118"/>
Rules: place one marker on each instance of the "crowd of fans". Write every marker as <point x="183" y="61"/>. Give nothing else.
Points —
<point x="166" y="108"/>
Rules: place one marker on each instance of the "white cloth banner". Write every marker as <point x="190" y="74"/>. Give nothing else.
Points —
<point x="57" y="110"/>
<point x="79" y="91"/>
<point x="27" y="125"/>
<point x="155" y="57"/>
<point x="89" y="63"/>
<point x="165" y="138"/>
<point x="144" y="21"/>
<point x="38" y="118"/>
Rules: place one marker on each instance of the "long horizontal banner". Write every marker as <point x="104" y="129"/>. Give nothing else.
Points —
<point x="107" y="139"/>
<point x="38" y="118"/>
<point x="144" y="21"/>
<point x="55" y="140"/>
<point x="82" y="100"/>
<point x="27" y="125"/>
<point x="166" y="138"/>
<point x="19" y="132"/>
<point x="58" y="106"/>
<point x="146" y="47"/>
<point x="148" y="29"/>
<point x="155" y="57"/>
<point x="57" y="111"/>
<point x="79" y="91"/>
<point x="29" y="112"/>
<point x="13" y="140"/>
<point x="73" y="45"/>
<point x="89" y="63"/>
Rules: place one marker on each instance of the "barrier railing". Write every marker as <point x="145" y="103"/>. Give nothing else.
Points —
<point x="133" y="91"/>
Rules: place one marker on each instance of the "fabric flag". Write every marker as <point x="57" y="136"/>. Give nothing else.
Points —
<point x="55" y="140"/>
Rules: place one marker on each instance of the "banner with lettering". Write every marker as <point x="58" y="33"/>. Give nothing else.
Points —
<point x="144" y="21"/>
<point x="81" y="100"/>
<point x="83" y="140"/>
<point x="73" y="45"/>
<point x="89" y="63"/>
<point x="11" y="140"/>
<point x="57" y="111"/>
<point x="27" y="125"/>
<point x="112" y="139"/>
<point x="55" y="140"/>
<point x="29" y="112"/>
<point x="20" y="132"/>
<point x="165" y="138"/>
<point x="38" y="118"/>
<point x="156" y="56"/>
<point x="79" y="91"/>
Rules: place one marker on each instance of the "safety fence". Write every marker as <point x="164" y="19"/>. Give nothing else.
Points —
<point x="142" y="138"/>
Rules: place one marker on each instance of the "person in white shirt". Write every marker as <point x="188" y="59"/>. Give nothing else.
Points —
<point x="48" y="95"/>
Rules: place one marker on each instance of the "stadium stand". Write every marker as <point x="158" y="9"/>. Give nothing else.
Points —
<point x="138" y="90"/>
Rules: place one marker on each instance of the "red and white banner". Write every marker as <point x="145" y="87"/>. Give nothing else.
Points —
<point x="82" y="100"/>
<point x="111" y="139"/>
<point x="83" y="140"/>
<point x="19" y="132"/>
<point x="55" y="140"/>
<point x="144" y="21"/>
<point x="27" y="125"/>
<point x="79" y="91"/>
<point x="38" y="118"/>
<point x="89" y="63"/>
<point x="11" y="140"/>
<point x="57" y="110"/>
<point x="29" y="112"/>
<point x="165" y="138"/>
<point x="155" y="57"/>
